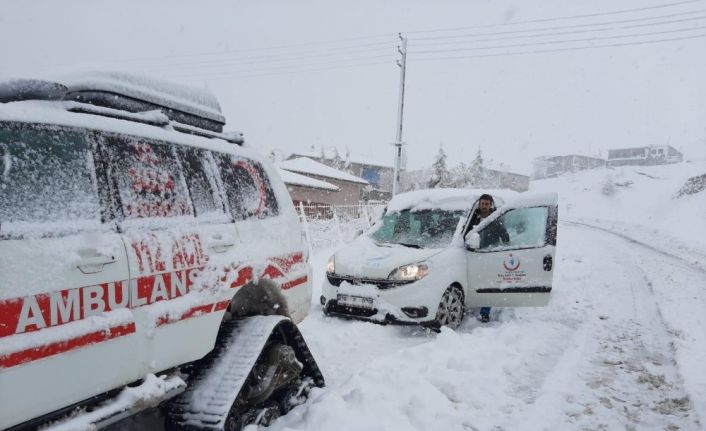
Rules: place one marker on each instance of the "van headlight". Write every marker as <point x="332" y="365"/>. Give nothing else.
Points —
<point x="331" y="265"/>
<point x="411" y="272"/>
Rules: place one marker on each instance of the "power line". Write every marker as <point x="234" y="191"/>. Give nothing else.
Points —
<point x="289" y="67"/>
<point x="532" y="36"/>
<point x="307" y="67"/>
<point x="532" y="30"/>
<point x="576" y="48"/>
<point x="236" y="76"/>
<point x="561" y="18"/>
<point x="337" y="52"/>
<point x="551" y="42"/>
<point x="273" y="59"/>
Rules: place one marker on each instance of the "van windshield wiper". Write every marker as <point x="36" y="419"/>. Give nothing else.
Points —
<point x="409" y="245"/>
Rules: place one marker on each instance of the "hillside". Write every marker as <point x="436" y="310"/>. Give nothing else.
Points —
<point x="642" y="202"/>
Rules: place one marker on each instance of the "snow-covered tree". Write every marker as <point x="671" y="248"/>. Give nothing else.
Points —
<point x="459" y="176"/>
<point x="475" y="175"/>
<point x="337" y="162"/>
<point x="347" y="162"/>
<point x="440" y="176"/>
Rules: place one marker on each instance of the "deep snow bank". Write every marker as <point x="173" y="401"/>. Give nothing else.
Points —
<point x="640" y="201"/>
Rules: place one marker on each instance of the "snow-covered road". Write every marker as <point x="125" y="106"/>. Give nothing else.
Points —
<point x="618" y="347"/>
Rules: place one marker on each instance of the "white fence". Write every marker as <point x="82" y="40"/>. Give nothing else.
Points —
<point x="330" y="225"/>
<point x="342" y="212"/>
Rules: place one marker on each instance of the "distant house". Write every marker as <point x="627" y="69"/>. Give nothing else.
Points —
<point x="552" y="166"/>
<point x="307" y="190"/>
<point x="320" y="192"/>
<point x="649" y="155"/>
<point x="378" y="176"/>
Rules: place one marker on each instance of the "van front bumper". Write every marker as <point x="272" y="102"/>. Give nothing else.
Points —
<point x="414" y="303"/>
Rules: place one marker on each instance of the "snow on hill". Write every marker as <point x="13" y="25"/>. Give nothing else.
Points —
<point x="642" y="202"/>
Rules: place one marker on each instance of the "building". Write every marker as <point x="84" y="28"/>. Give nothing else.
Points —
<point x="306" y="190"/>
<point x="349" y="186"/>
<point x="649" y="155"/>
<point x="378" y="176"/>
<point x="553" y="166"/>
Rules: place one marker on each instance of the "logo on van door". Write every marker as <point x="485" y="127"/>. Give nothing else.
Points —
<point x="511" y="263"/>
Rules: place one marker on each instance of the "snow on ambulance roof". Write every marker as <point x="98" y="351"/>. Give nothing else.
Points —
<point x="445" y="199"/>
<point x="56" y="113"/>
<point x="305" y="165"/>
<point x="291" y="178"/>
<point x="193" y="100"/>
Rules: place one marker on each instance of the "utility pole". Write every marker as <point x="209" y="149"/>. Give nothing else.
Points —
<point x="402" y="64"/>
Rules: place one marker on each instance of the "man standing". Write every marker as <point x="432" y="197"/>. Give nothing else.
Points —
<point x="485" y="207"/>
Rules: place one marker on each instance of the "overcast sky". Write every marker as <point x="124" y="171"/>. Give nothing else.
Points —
<point x="297" y="74"/>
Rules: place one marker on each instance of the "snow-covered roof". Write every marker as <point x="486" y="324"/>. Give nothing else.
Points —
<point x="193" y="100"/>
<point x="446" y="199"/>
<point x="363" y="159"/>
<point x="291" y="178"/>
<point x="305" y="165"/>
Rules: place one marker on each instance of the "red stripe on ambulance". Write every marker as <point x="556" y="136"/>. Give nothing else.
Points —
<point x="51" y="349"/>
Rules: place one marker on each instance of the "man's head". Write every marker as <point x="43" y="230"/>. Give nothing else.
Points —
<point x="485" y="205"/>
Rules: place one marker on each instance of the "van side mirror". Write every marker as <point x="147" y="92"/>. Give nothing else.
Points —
<point x="473" y="241"/>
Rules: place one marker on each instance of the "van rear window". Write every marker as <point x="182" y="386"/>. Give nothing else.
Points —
<point x="46" y="176"/>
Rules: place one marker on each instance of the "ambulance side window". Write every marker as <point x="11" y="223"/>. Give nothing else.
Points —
<point x="47" y="181"/>
<point x="147" y="178"/>
<point x="247" y="187"/>
<point x="200" y="175"/>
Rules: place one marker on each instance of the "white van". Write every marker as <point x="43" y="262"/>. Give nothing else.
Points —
<point x="416" y="266"/>
<point x="131" y="229"/>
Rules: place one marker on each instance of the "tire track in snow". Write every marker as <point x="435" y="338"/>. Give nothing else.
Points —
<point x="690" y="265"/>
<point x="626" y="372"/>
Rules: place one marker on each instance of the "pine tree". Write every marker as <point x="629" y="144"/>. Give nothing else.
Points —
<point x="476" y="172"/>
<point x="347" y="162"/>
<point x="440" y="176"/>
<point x="337" y="162"/>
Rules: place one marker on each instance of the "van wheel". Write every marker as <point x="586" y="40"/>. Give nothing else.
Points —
<point x="451" y="308"/>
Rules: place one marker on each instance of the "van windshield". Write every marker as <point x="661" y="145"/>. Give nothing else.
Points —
<point x="432" y="228"/>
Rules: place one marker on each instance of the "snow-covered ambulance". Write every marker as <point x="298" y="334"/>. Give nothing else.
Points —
<point x="416" y="266"/>
<point x="133" y="232"/>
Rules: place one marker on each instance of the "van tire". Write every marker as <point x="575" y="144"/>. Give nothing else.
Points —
<point x="451" y="309"/>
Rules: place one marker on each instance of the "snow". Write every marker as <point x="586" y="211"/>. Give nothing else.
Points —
<point x="305" y="165"/>
<point x="639" y="201"/>
<point x="302" y="180"/>
<point x="445" y="199"/>
<point x="330" y="153"/>
<point x="620" y="345"/>
<point x="152" y="390"/>
<point x="155" y="117"/>
<point x="194" y="100"/>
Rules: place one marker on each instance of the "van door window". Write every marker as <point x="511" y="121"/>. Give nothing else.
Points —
<point x="518" y="228"/>
<point x="147" y="177"/>
<point x="247" y="187"/>
<point x="47" y="177"/>
<point x="200" y="176"/>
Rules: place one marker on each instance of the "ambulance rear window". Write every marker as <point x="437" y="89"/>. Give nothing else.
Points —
<point x="47" y="180"/>
<point x="247" y="187"/>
